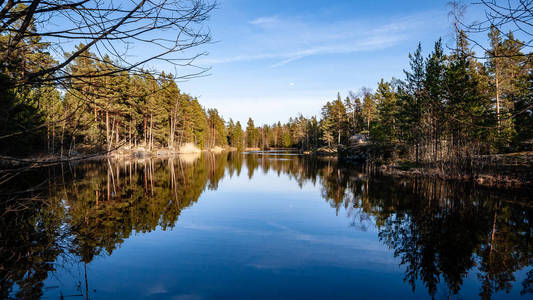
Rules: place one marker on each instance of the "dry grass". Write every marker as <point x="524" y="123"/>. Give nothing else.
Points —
<point x="217" y="149"/>
<point x="189" y="148"/>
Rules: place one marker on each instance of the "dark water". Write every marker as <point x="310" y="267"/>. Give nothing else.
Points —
<point x="252" y="226"/>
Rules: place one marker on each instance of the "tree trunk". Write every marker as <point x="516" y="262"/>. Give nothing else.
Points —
<point x="144" y="130"/>
<point x="129" y="134"/>
<point x="107" y="128"/>
<point x="174" y="119"/>
<point x="151" y="138"/>
<point x="436" y="142"/>
<point x="497" y="99"/>
<point x="53" y="137"/>
<point x="497" y="81"/>
<point x="110" y="143"/>
<point x="72" y="145"/>
<point x="62" y="137"/>
<point x="47" y="136"/>
<point x="416" y="151"/>
<point x="171" y="134"/>
<point x="108" y="185"/>
<point x="354" y="122"/>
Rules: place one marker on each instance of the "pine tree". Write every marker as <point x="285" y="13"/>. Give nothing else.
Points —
<point x="335" y="120"/>
<point x="415" y="98"/>
<point x="327" y="131"/>
<point x="386" y="127"/>
<point x="251" y="134"/>
<point x="524" y="114"/>
<point x="200" y="127"/>
<point x="516" y="67"/>
<point x="217" y="129"/>
<point x="466" y="104"/>
<point x="434" y="85"/>
<point x="368" y="111"/>
<point x="230" y="128"/>
<point x="237" y="137"/>
<point x="495" y="67"/>
<point x="168" y="97"/>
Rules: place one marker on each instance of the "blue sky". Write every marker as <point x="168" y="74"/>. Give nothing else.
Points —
<point x="274" y="59"/>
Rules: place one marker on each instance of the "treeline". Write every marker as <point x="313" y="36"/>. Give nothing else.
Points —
<point x="58" y="100"/>
<point x="92" y="103"/>
<point x="447" y="106"/>
<point x="113" y="109"/>
<point x="103" y="107"/>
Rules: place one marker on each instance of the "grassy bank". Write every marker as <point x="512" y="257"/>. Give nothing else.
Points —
<point x="511" y="169"/>
<point x="493" y="171"/>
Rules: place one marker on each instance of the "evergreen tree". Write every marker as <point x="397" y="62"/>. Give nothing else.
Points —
<point x="414" y="98"/>
<point x="252" y="137"/>
<point x="435" y="90"/>
<point x="524" y="114"/>
<point x="327" y="132"/>
<point x="386" y="127"/>
<point x="237" y="137"/>
<point x="335" y="121"/>
<point x="466" y="105"/>
<point x="217" y="129"/>
<point x="368" y="111"/>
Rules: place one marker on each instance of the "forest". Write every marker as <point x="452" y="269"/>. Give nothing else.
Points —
<point x="448" y="105"/>
<point x="451" y="103"/>
<point x="91" y="129"/>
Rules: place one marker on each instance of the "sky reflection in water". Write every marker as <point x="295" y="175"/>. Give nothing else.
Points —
<point x="266" y="226"/>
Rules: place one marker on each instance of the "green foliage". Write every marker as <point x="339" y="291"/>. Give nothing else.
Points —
<point x="334" y="123"/>
<point x="448" y="106"/>
<point x="385" y="129"/>
<point x="236" y="139"/>
<point x="443" y="110"/>
<point x="252" y="136"/>
<point x="100" y="108"/>
<point x="524" y="114"/>
<point x="218" y="134"/>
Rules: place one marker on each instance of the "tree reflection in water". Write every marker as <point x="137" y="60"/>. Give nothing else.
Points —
<point x="440" y="231"/>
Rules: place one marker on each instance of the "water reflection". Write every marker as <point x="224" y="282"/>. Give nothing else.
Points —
<point x="439" y="231"/>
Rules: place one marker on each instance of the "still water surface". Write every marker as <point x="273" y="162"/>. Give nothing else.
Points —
<point x="261" y="225"/>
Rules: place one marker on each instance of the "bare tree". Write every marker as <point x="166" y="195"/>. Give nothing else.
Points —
<point x="131" y="34"/>
<point x="508" y="16"/>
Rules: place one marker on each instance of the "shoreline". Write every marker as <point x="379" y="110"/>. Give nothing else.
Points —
<point x="138" y="153"/>
<point x="505" y="170"/>
<point x="482" y="179"/>
<point x="492" y="175"/>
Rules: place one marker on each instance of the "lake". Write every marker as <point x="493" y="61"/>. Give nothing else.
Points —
<point x="258" y="225"/>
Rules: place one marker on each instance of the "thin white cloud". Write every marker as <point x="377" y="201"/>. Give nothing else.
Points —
<point x="369" y="44"/>
<point x="287" y="40"/>
<point x="265" y="21"/>
<point x="374" y="43"/>
<point x="239" y="58"/>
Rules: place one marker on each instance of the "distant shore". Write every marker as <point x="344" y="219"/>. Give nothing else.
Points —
<point x="511" y="169"/>
<point x="495" y="178"/>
